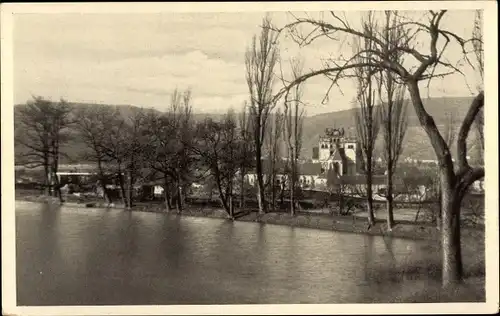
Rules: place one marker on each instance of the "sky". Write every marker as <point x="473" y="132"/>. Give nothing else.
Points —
<point x="139" y="59"/>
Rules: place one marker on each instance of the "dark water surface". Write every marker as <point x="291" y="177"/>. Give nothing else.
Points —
<point x="73" y="256"/>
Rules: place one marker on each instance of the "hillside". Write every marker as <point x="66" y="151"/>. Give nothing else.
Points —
<point x="74" y="149"/>
<point x="416" y="146"/>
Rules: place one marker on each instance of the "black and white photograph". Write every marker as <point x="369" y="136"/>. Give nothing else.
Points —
<point x="249" y="158"/>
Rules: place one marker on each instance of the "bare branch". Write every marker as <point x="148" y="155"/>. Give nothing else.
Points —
<point x="475" y="107"/>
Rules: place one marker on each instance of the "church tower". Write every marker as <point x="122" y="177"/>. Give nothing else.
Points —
<point x="338" y="152"/>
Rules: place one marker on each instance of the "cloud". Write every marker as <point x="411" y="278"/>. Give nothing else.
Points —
<point x="140" y="58"/>
<point x="156" y="77"/>
<point x="86" y="57"/>
<point x="112" y="36"/>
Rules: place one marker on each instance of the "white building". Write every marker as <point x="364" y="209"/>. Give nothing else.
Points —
<point x="311" y="174"/>
<point x="337" y="151"/>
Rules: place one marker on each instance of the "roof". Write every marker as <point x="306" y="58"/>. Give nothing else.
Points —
<point x="337" y="155"/>
<point x="310" y="168"/>
<point x="279" y="165"/>
<point x="305" y="168"/>
<point x="361" y="179"/>
<point x="315" y="154"/>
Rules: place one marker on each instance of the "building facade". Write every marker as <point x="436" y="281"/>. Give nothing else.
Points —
<point x="337" y="151"/>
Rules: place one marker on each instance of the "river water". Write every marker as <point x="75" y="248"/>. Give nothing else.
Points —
<point x="84" y="256"/>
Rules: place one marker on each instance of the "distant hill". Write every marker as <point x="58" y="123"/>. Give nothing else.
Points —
<point x="417" y="143"/>
<point x="416" y="146"/>
<point x="74" y="149"/>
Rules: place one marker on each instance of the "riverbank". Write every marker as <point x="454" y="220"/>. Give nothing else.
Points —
<point x="350" y="224"/>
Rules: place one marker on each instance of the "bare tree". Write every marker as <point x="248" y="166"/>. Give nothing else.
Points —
<point x="159" y="150"/>
<point x="260" y="61"/>
<point x="61" y="121"/>
<point x="91" y="125"/>
<point x="477" y="36"/>
<point x="115" y="147"/>
<point x="219" y="148"/>
<point x="35" y="125"/>
<point x="273" y="143"/>
<point x="428" y="62"/>
<point x="231" y="156"/>
<point x="246" y="160"/>
<point x="183" y="129"/>
<point x="394" y="124"/>
<point x="45" y="125"/>
<point x="170" y="138"/>
<point x="294" y="119"/>
<point x="188" y="161"/>
<point x="367" y="114"/>
<point x="394" y="116"/>
<point x="136" y="135"/>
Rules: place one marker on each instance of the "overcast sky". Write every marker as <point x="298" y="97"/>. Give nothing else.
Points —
<point x="139" y="59"/>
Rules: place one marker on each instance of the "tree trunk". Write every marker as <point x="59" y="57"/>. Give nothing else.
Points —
<point x="292" y="194"/>
<point x="224" y="203"/>
<point x="419" y="208"/>
<point x="341" y="201"/>
<point x="48" y="177"/>
<point x="260" y="183"/>
<point x="231" y="206"/>
<point x="273" y="188"/>
<point x="166" y="195"/>
<point x="55" y="167"/>
<point x="58" y="189"/>
<point x="179" y="197"/>
<point x="130" y="189"/>
<point x="369" y="192"/>
<point x="282" y="193"/>
<point x="439" y="214"/>
<point x="390" y="204"/>
<point x="291" y="185"/>
<point x="260" y="197"/>
<point x="51" y="183"/>
<point x="242" y="189"/>
<point x="450" y="237"/>
<point x="223" y="197"/>
<point x="390" y="214"/>
<point x="211" y="191"/>
<point x="102" y="179"/>
<point x="122" y="188"/>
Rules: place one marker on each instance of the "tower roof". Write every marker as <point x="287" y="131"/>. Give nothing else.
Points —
<point x="336" y="155"/>
<point x="315" y="154"/>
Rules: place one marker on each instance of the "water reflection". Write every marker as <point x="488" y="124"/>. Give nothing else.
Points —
<point x="118" y="257"/>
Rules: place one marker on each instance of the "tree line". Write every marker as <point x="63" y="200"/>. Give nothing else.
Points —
<point x="172" y="147"/>
<point x="169" y="148"/>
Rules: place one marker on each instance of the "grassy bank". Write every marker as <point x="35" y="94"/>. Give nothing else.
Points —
<point x="356" y="223"/>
